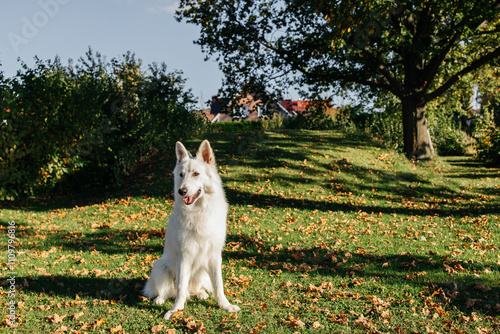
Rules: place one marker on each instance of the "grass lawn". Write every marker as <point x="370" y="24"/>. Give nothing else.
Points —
<point x="327" y="233"/>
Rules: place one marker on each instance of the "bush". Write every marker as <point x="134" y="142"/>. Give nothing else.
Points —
<point x="487" y="135"/>
<point x="316" y="117"/>
<point x="449" y="141"/>
<point x="97" y="120"/>
<point x="236" y="126"/>
<point x="447" y="137"/>
<point x="385" y="127"/>
<point x="276" y="121"/>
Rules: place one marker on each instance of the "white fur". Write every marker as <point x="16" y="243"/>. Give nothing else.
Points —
<point x="196" y="232"/>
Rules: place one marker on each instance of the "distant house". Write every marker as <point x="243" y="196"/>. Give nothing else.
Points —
<point x="250" y="108"/>
<point x="298" y="107"/>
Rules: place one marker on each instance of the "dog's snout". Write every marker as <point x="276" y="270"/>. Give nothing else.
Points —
<point x="183" y="191"/>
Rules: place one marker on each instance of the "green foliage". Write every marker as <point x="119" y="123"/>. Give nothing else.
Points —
<point x="316" y="117"/>
<point x="445" y="116"/>
<point x="236" y="126"/>
<point x="383" y="126"/>
<point x="448" y="140"/>
<point x="386" y="127"/>
<point x="275" y="121"/>
<point x="488" y="139"/>
<point x="447" y="135"/>
<point x="414" y="50"/>
<point x="93" y="123"/>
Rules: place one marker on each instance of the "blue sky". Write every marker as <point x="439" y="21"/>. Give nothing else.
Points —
<point x="46" y="28"/>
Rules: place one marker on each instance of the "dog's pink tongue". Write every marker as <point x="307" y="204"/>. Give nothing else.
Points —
<point x="188" y="199"/>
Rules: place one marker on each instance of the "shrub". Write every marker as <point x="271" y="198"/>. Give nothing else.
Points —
<point x="236" y="126"/>
<point x="96" y="120"/>
<point x="276" y="121"/>
<point x="488" y="139"/>
<point x="316" y="117"/>
<point x="36" y="135"/>
<point x="385" y="127"/>
<point x="447" y="136"/>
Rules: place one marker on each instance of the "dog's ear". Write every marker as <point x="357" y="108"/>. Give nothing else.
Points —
<point x="205" y="153"/>
<point x="181" y="151"/>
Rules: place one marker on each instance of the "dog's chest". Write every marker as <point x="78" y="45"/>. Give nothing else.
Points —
<point x="201" y="232"/>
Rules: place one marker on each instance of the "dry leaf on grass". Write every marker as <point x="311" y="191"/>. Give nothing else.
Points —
<point x="56" y="318"/>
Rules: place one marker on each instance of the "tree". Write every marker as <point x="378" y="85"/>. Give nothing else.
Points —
<point x="416" y="50"/>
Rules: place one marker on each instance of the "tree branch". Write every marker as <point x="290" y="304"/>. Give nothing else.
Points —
<point x="436" y="61"/>
<point x="378" y="65"/>
<point x="453" y="79"/>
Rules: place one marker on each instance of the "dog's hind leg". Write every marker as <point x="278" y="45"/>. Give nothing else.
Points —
<point x="160" y="285"/>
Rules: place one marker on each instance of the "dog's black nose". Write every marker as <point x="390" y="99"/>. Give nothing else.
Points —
<point x="183" y="191"/>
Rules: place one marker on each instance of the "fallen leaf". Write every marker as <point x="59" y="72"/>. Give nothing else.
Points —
<point x="193" y="326"/>
<point x="116" y="329"/>
<point x="98" y="323"/>
<point x="56" y="318"/>
<point x="157" y="328"/>
<point x="62" y="329"/>
<point x="77" y="315"/>
<point x="258" y="328"/>
<point x="481" y="287"/>
<point x="471" y="302"/>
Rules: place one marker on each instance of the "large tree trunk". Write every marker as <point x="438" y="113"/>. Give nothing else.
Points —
<point x="417" y="140"/>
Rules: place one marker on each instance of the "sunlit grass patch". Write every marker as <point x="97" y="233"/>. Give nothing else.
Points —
<point x="326" y="233"/>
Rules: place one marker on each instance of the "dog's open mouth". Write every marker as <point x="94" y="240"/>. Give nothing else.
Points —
<point x="190" y="199"/>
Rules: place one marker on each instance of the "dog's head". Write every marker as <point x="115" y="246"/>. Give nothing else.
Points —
<point x="194" y="176"/>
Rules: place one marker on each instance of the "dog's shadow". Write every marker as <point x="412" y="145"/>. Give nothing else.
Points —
<point x="127" y="291"/>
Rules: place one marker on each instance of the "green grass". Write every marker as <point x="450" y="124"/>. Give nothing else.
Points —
<point x="327" y="233"/>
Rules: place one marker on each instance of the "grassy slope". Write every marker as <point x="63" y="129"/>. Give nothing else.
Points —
<point x="326" y="233"/>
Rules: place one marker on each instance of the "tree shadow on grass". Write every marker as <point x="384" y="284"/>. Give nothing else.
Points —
<point x="397" y="270"/>
<point x="107" y="240"/>
<point x="260" y="151"/>
<point x="267" y="201"/>
<point x="426" y="273"/>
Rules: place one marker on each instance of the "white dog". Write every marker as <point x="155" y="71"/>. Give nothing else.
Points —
<point x="196" y="232"/>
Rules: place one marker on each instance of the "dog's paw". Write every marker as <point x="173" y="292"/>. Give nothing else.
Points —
<point x="231" y="308"/>
<point x="171" y="314"/>
<point x="159" y="300"/>
<point x="202" y="294"/>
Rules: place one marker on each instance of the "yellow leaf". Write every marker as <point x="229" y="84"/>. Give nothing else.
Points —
<point x="116" y="329"/>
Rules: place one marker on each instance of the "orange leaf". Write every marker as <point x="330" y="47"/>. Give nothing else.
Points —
<point x="116" y="329"/>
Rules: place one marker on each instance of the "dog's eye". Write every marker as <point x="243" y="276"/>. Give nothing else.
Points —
<point x="182" y="174"/>
<point x="196" y="173"/>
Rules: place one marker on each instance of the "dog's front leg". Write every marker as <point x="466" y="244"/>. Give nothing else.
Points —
<point x="183" y="276"/>
<point x="215" y="268"/>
